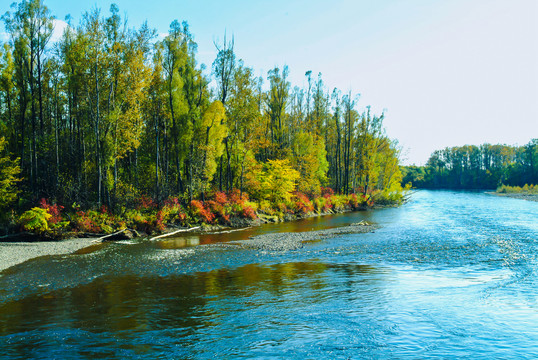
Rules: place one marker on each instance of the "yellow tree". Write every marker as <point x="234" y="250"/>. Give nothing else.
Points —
<point x="210" y="135"/>
<point x="310" y="159"/>
<point x="276" y="180"/>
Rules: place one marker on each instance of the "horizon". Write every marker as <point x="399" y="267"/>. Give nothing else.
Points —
<point x="445" y="74"/>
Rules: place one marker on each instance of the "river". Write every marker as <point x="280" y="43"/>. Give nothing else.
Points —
<point x="448" y="275"/>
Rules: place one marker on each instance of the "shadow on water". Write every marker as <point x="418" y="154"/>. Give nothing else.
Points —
<point x="173" y="307"/>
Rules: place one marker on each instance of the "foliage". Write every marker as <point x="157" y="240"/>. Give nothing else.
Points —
<point x="92" y="221"/>
<point x="9" y="172"/>
<point x="526" y="189"/>
<point x="170" y="213"/>
<point x="310" y="158"/>
<point x="277" y="180"/>
<point x="35" y="219"/>
<point x="199" y="211"/>
<point x="53" y="209"/>
<point x="303" y="204"/>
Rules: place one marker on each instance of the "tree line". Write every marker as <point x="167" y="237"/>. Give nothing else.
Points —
<point x="109" y="113"/>
<point x="477" y="167"/>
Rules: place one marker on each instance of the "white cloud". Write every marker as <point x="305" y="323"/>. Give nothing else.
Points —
<point x="59" y="27"/>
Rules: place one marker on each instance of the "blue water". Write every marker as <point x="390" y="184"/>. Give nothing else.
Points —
<point x="449" y="275"/>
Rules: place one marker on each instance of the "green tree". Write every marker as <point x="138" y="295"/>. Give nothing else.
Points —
<point x="277" y="101"/>
<point x="9" y="172"/>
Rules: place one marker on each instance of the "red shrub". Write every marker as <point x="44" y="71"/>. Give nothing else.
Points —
<point x="199" y="210"/>
<point x="145" y="203"/>
<point x="220" y="198"/>
<point x="282" y="208"/>
<point x="54" y="210"/>
<point x="248" y="212"/>
<point x="353" y="201"/>
<point x="171" y="201"/>
<point x="237" y="198"/>
<point x="219" y="210"/>
<point x="303" y="204"/>
<point x="85" y="224"/>
<point x="159" y="223"/>
<point x="327" y="192"/>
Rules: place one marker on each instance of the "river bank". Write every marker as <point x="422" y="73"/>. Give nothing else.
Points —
<point x="13" y="253"/>
<point x="16" y="252"/>
<point x="521" y="196"/>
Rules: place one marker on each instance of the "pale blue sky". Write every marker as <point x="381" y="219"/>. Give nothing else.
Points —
<point x="448" y="72"/>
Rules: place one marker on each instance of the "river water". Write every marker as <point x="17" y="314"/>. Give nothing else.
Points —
<point x="449" y="275"/>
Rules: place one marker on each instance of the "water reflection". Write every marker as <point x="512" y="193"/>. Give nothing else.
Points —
<point x="178" y="242"/>
<point x="308" y="224"/>
<point x="126" y="305"/>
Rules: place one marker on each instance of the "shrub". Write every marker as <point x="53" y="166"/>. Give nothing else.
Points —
<point x="220" y="207"/>
<point x="339" y="202"/>
<point x="146" y="203"/>
<point x="136" y="220"/>
<point x="327" y="191"/>
<point x="200" y="212"/>
<point x="323" y="204"/>
<point x="85" y="223"/>
<point x="53" y="210"/>
<point x="303" y="205"/>
<point x="35" y="219"/>
<point x="249" y="213"/>
<point x="507" y="189"/>
<point x="357" y="202"/>
<point x="169" y="213"/>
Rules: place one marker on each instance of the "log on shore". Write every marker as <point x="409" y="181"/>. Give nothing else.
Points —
<point x="125" y="234"/>
<point x="174" y="233"/>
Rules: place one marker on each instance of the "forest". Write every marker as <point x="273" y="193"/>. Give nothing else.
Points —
<point x="477" y="167"/>
<point x="115" y="120"/>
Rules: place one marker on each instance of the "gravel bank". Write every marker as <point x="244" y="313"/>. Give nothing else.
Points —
<point x="294" y="241"/>
<point x="14" y="253"/>
<point x="523" y="196"/>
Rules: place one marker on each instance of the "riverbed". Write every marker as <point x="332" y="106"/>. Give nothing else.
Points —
<point x="447" y="275"/>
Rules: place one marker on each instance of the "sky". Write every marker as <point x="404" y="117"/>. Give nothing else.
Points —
<point x="445" y="72"/>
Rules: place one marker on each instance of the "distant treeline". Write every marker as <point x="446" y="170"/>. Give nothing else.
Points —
<point x="476" y="167"/>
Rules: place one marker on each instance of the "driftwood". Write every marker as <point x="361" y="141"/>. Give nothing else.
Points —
<point x="362" y="223"/>
<point x="124" y="234"/>
<point x="174" y="232"/>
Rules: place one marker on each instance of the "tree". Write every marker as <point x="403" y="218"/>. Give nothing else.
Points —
<point x="224" y="68"/>
<point x="276" y="103"/>
<point x="277" y="180"/>
<point x="9" y="172"/>
<point x="310" y="159"/>
<point x="30" y="27"/>
<point x="210" y="136"/>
